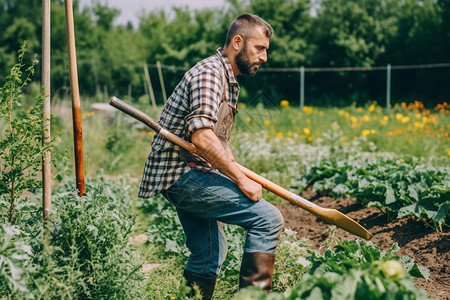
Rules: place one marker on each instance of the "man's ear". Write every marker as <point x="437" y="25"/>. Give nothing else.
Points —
<point x="237" y="42"/>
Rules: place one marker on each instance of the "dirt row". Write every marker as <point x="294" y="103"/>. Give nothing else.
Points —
<point x="427" y="247"/>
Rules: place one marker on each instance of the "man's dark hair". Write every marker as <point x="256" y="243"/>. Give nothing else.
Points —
<point x="246" y="25"/>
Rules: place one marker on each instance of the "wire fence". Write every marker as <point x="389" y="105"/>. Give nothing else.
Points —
<point x="301" y="85"/>
<point x="303" y="70"/>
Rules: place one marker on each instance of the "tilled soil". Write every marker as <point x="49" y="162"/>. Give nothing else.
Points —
<point x="427" y="247"/>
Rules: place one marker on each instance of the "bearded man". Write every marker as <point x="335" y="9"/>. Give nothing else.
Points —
<point x="210" y="190"/>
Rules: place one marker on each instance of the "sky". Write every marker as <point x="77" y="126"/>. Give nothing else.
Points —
<point x="130" y="9"/>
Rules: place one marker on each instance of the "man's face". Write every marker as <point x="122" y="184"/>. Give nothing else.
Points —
<point x="253" y="53"/>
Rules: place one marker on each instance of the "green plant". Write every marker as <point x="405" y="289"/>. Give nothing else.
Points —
<point x="290" y="263"/>
<point x="94" y="230"/>
<point x="352" y="270"/>
<point x="399" y="187"/>
<point x="15" y="261"/>
<point x="360" y="270"/>
<point x="21" y="141"/>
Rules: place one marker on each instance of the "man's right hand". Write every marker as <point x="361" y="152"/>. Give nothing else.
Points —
<point x="251" y="189"/>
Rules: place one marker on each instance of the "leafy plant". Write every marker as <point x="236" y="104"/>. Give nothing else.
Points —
<point x="360" y="270"/>
<point x="352" y="270"/>
<point x="15" y="259"/>
<point x="21" y="141"/>
<point x="400" y="188"/>
<point x="97" y="225"/>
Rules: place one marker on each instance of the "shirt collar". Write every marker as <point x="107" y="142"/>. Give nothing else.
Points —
<point x="228" y="69"/>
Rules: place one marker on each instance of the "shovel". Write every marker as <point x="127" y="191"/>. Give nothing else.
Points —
<point x="330" y="215"/>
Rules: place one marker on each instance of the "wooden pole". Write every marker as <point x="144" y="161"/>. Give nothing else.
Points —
<point x="161" y="80"/>
<point x="149" y="84"/>
<point x="388" y="86"/>
<point x="302" y="87"/>
<point x="76" y="108"/>
<point x="46" y="166"/>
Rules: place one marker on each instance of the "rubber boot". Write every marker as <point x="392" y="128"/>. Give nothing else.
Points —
<point x="257" y="270"/>
<point x="206" y="284"/>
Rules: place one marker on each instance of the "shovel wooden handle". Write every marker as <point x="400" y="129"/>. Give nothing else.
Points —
<point x="330" y="215"/>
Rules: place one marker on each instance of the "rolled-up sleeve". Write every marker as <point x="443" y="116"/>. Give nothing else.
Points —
<point x="206" y="91"/>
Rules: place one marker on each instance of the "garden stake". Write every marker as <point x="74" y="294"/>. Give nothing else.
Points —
<point x="330" y="215"/>
<point x="75" y="93"/>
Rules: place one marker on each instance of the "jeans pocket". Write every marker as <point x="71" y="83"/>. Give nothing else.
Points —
<point x="183" y="195"/>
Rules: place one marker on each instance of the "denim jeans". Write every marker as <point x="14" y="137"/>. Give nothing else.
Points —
<point x="203" y="201"/>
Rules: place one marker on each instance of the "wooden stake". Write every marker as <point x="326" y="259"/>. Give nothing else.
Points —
<point x="149" y="84"/>
<point x="76" y="109"/>
<point x="161" y="80"/>
<point x="46" y="167"/>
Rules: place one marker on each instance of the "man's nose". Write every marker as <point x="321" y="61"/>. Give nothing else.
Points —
<point x="263" y="56"/>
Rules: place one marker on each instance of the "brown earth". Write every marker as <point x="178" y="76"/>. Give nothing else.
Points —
<point x="427" y="247"/>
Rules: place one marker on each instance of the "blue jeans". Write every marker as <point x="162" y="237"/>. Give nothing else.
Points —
<point x="203" y="201"/>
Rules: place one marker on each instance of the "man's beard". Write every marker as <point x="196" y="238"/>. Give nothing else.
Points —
<point x="244" y="65"/>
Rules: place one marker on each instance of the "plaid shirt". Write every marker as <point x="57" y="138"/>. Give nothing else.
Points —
<point x="193" y="105"/>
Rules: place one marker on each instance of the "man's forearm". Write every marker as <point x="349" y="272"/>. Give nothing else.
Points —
<point x="210" y="148"/>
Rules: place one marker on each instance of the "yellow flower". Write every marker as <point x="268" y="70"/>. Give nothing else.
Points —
<point x="372" y="131"/>
<point x="399" y="116"/>
<point x="289" y="133"/>
<point x="371" y="107"/>
<point x="284" y="103"/>
<point x="359" y="109"/>
<point x="310" y="138"/>
<point x="366" y="118"/>
<point x="266" y="122"/>
<point x="418" y="116"/>
<point x="365" y="132"/>
<point x="342" y="113"/>
<point x="307" y="109"/>
<point x="353" y="119"/>
<point x="405" y="120"/>
<point x="248" y="119"/>
<point x="448" y="152"/>
<point x="419" y="124"/>
<point x="306" y="131"/>
<point x="279" y="134"/>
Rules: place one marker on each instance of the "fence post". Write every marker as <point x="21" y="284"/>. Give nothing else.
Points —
<point x="150" y="87"/>
<point x="388" y="86"/>
<point x="302" y="87"/>
<point x="161" y="81"/>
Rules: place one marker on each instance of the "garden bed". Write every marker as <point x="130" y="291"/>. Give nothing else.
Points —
<point x="428" y="248"/>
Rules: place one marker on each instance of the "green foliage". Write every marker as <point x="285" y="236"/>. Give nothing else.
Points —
<point x="15" y="258"/>
<point x="353" y="270"/>
<point x="291" y="263"/>
<point x="321" y="33"/>
<point x="87" y="255"/>
<point x="403" y="189"/>
<point x="358" y="270"/>
<point x="98" y="225"/>
<point x="21" y="139"/>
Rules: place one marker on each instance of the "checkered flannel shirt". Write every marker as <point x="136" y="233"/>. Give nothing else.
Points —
<point x="193" y="105"/>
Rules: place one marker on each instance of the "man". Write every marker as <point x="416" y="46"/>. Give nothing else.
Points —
<point x="211" y="189"/>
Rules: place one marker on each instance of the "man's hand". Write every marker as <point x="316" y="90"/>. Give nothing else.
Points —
<point x="251" y="189"/>
<point x="210" y="148"/>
